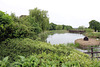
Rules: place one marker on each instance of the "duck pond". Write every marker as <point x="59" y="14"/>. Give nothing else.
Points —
<point x="64" y="38"/>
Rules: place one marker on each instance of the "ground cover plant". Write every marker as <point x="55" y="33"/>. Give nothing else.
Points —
<point x="28" y="53"/>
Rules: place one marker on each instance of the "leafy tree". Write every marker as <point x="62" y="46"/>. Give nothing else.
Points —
<point x="10" y="27"/>
<point x="64" y="27"/>
<point x="52" y="26"/>
<point x="20" y="30"/>
<point x="40" y="17"/>
<point x="93" y="24"/>
<point x="4" y="18"/>
<point x="68" y="27"/>
<point x="14" y="18"/>
<point x="81" y="27"/>
<point x="59" y="27"/>
<point x="5" y="25"/>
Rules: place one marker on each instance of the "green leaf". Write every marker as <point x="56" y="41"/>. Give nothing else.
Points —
<point x="2" y="26"/>
<point x="22" y="58"/>
<point x="6" y="59"/>
<point x="15" y="64"/>
<point x="63" y="65"/>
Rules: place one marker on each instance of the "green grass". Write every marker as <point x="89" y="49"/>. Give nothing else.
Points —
<point x="93" y="34"/>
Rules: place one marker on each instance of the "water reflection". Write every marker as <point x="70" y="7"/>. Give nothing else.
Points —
<point x="67" y="38"/>
<point x="63" y="38"/>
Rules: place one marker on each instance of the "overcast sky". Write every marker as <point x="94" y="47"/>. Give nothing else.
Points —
<point x="68" y="12"/>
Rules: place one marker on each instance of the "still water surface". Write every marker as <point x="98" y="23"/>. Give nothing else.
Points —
<point x="63" y="38"/>
<point x="66" y="38"/>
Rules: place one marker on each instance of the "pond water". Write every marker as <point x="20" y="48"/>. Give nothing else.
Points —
<point x="63" y="38"/>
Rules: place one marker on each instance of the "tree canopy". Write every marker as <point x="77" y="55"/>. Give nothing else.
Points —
<point x="93" y="24"/>
<point x="39" y="17"/>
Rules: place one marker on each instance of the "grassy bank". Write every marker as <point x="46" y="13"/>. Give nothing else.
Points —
<point x="93" y="34"/>
<point x="26" y="53"/>
<point x="89" y="33"/>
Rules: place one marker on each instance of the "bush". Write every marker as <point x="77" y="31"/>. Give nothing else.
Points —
<point x="5" y="25"/>
<point x="26" y="46"/>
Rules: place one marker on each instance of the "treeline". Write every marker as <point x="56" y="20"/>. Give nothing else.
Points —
<point x="93" y="24"/>
<point x="28" y="26"/>
<point x="53" y="26"/>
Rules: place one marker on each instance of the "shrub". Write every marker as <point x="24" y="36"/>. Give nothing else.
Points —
<point x="5" y="25"/>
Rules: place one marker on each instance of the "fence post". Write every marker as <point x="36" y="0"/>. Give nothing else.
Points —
<point x="92" y="51"/>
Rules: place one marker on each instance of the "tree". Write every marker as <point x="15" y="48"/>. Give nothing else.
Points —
<point x="64" y="27"/>
<point x="14" y="18"/>
<point x="81" y="27"/>
<point x="5" y="25"/>
<point x="93" y="24"/>
<point x="52" y="26"/>
<point x="40" y="17"/>
<point x="68" y="27"/>
<point x="59" y="27"/>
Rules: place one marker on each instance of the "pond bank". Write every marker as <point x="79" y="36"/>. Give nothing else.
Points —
<point x="92" y="34"/>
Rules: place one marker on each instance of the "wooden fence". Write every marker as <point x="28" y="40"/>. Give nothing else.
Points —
<point x="76" y="31"/>
<point x="92" y="52"/>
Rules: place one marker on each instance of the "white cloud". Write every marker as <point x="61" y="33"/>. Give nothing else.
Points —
<point x="68" y="12"/>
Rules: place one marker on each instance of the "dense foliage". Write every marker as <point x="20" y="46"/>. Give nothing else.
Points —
<point x="5" y="26"/>
<point x="28" y="26"/>
<point x="59" y="27"/>
<point x="93" y="24"/>
<point x="41" y="54"/>
<point x="39" y="18"/>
